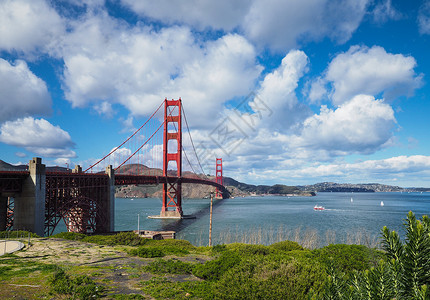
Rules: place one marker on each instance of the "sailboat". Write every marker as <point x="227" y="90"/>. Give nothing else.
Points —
<point x="382" y="203"/>
<point x="352" y="200"/>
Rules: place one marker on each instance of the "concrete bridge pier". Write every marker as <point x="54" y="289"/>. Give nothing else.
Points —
<point x="29" y="210"/>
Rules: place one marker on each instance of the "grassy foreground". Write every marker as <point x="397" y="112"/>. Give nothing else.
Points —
<point x="124" y="266"/>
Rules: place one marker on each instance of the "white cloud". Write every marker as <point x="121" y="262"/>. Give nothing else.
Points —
<point x="384" y="11"/>
<point x="108" y="62"/>
<point x="424" y="18"/>
<point x="362" y="125"/>
<point x="371" y="71"/>
<point x="282" y="24"/>
<point x="38" y="136"/>
<point x="219" y="14"/>
<point x="22" y="92"/>
<point x="28" y="25"/>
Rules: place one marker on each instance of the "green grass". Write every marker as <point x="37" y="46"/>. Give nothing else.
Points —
<point x="171" y="266"/>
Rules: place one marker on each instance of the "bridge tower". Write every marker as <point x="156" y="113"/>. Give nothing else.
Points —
<point x="218" y="177"/>
<point x="172" y="197"/>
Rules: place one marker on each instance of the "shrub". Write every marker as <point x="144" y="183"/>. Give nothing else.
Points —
<point x="213" y="269"/>
<point x="286" y="246"/>
<point x="271" y="277"/>
<point x="246" y="249"/>
<point x="347" y="258"/>
<point x="146" y="252"/>
<point x="173" y="247"/>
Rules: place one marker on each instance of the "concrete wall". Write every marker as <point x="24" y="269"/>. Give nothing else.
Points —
<point x="29" y="211"/>
<point x="111" y="198"/>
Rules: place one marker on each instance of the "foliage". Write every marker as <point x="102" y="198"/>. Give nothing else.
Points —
<point x="286" y="246"/>
<point x="271" y="277"/>
<point x="172" y="246"/>
<point x="347" y="258"/>
<point x="171" y="266"/>
<point x="404" y="275"/>
<point x="79" y="287"/>
<point x="214" y="269"/>
<point x="146" y="252"/>
<point x="246" y="249"/>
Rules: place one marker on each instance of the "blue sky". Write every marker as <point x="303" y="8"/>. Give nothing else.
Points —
<point x="313" y="90"/>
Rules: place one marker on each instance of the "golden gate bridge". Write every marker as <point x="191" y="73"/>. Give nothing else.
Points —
<point x="37" y="200"/>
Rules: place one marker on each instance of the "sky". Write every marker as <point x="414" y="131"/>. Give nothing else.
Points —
<point x="290" y="92"/>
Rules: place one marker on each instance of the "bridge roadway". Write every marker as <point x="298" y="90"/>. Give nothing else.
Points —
<point x="11" y="181"/>
<point x="42" y="199"/>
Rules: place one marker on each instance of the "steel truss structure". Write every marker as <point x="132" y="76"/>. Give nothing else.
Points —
<point x="80" y="199"/>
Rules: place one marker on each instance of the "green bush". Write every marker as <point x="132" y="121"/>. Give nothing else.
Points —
<point x="347" y="258"/>
<point x="286" y="246"/>
<point x="213" y="269"/>
<point x="146" y="252"/>
<point x="171" y="266"/>
<point x="246" y="249"/>
<point x="172" y="246"/>
<point x="271" y="277"/>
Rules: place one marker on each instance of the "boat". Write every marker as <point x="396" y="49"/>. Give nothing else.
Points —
<point x="318" y="207"/>
<point x="352" y="200"/>
<point x="382" y="203"/>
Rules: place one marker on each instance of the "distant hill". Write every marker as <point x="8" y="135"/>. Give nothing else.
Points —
<point x="4" y="166"/>
<point x="357" y="188"/>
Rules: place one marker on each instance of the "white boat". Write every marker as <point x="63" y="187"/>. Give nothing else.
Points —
<point x="318" y="207"/>
<point x="382" y="203"/>
<point x="352" y="200"/>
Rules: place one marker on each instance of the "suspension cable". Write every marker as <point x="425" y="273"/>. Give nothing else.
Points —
<point x="192" y="143"/>
<point x="126" y="139"/>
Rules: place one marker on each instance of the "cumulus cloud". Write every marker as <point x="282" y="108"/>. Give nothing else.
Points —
<point x="106" y="62"/>
<point x="361" y="125"/>
<point x="22" y="92"/>
<point x="274" y="103"/>
<point x="278" y="24"/>
<point x="371" y="71"/>
<point x="424" y="18"/>
<point x="28" y="25"/>
<point x="38" y="136"/>
<point x="281" y="24"/>
<point x="223" y="14"/>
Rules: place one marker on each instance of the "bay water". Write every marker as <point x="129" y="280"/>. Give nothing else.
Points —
<point x="347" y="218"/>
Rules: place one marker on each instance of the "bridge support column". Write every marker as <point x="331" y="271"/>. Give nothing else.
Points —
<point x="111" y="199"/>
<point x="172" y="196"/>
<point x="29" y="211"/>
<point x="3" y="212"/>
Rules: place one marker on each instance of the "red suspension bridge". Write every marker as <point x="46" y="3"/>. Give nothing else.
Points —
<point x="37" y="199"/>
